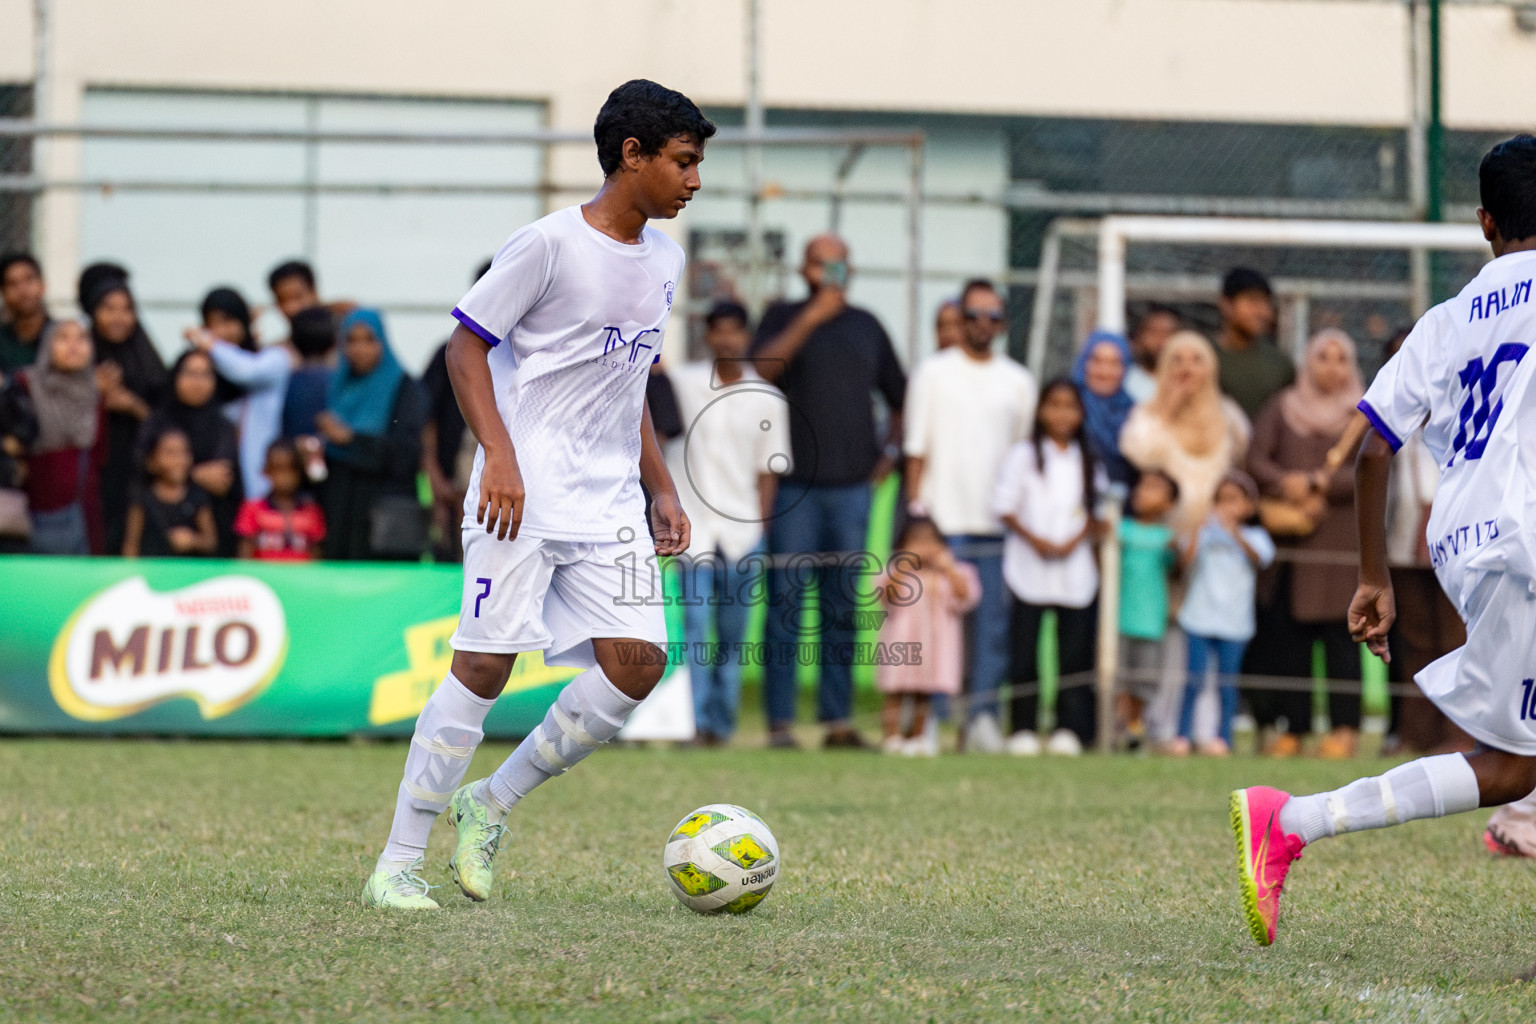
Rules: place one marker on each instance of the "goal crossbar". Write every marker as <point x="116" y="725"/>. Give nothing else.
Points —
<point x="1115" y="232"/>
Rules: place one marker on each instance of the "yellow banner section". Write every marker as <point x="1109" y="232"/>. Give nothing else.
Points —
<point x="401" y="695"/>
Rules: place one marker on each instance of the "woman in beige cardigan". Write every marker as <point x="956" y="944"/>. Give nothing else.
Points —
<point x="1195" y="434"/>
<point x="1188" y="429"/>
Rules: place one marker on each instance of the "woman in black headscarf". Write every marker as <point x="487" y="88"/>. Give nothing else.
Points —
<point x="132" y="381"/>
<point x="191" y="406"/>
<point x="227" y="316"/>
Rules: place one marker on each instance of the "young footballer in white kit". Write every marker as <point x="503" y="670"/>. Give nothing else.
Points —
<point x="1462" y="378"/>
<point x="549" y="364"/>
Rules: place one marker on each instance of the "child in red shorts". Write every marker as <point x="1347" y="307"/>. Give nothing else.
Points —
<point x="286" y="525"/>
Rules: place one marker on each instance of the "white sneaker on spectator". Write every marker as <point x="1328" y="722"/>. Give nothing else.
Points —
<point x="893" y="745"/>
<point x="930" y="737"/>
<point x="1065" y="743"/>
<point x="1024" y="743"/>
<point x="920" y="746"/>
<point x="983" y="736"/>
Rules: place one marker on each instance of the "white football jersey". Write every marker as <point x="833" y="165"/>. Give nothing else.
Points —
<point x="1454" y="366"/>
<point x="575" y="320"/>
<point x="1455" y="375"/>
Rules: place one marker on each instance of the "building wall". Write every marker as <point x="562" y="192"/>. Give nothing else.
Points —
<point x="1316" y="61"/>
<point x="1313" y="62"/>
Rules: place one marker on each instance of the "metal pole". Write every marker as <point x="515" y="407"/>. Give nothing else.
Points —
<point x="1434" y="135"/>
<point x="914" y="272"/>
<point x="1045" y="299"/>
<point x="1111" y="276"/>
<point x="311" y="239"/>
<point x="1434" y="138"/>
<point x="754" y="126"/>
<point x="1109" y="623"/>
<point x="1418" y="145"/>
<point x="840" y="185"/>
<point x="42" y="107"/>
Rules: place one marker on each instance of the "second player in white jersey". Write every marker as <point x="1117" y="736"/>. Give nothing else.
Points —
<point x="1463" y="377"/>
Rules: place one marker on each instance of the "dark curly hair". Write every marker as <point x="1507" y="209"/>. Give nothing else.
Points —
<point x="1507" y="182"/>
<point x="649" y="113"/>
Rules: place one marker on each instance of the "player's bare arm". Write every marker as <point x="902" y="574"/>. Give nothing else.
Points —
<point x="1373" y="609"/>
<point x="669" y="523"/>
<point x="500" y="506"/>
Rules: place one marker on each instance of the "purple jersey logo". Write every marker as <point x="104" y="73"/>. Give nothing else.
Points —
<point x="614" y="340"/>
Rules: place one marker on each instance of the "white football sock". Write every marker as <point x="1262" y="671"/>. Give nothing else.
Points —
<point x="1430" y="787"/>
<point x="588" y="713"/>
<point x="447" y="732"/>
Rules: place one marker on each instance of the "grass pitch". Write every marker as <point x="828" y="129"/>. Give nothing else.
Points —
<point x="184" y="881"/>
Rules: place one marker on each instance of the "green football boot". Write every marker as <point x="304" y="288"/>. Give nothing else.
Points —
<point x="479" y="839"/>
<point x="403" y="890"/>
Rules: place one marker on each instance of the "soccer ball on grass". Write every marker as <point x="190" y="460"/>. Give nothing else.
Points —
<point x="721" y="857"/>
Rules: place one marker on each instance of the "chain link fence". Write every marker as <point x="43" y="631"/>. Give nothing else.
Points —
<point x="15" y="159"/>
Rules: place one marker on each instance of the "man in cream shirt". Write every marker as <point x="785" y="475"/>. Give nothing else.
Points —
<point x="966" y="406"/>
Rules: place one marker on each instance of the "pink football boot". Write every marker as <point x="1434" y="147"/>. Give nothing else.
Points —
<point x="1265" y="853"/>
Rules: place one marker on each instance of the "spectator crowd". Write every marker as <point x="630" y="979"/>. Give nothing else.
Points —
<point x="311" y="446"/>
<point x="1232" y="464"/>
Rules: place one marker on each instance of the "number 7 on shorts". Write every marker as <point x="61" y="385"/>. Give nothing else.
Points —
<point x="485" y="592"/>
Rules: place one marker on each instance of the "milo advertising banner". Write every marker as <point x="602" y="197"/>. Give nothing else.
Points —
<point x="192" y="646"/>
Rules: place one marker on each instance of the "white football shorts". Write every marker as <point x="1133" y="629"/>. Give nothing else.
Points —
<point x="556" y="596"/>
<point x="1488" y="685"/>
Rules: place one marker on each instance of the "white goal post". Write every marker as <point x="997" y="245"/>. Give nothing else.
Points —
<point x="1115" y="233"/>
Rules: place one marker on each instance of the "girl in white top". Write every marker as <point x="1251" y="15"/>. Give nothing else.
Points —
<point x="1045" y="496"/>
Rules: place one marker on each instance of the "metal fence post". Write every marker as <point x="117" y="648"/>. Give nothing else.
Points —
<point x="1108" y="660"/>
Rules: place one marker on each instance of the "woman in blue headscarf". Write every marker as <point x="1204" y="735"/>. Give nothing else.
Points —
<point x="1100" y="374"/>
<point x="372" y="428"/>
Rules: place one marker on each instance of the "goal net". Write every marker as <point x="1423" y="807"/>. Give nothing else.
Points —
<point x="1370" y="278"/>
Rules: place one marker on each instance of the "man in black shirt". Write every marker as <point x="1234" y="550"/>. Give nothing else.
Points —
<point x="829" y="359"/>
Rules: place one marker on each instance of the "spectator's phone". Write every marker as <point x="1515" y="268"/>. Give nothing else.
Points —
<point x="834" y="273"/>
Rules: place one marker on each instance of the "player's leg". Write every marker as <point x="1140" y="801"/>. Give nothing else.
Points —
<point x="504" y="583"/>
<point x="604" y="612"/>
<point x="1511" y="832"/>
<point x="589" y="712"/>
<point x="1272" y="827"/>
<point x="1483" y="685"/>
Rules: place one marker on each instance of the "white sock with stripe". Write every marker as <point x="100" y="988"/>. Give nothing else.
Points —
<point x="1430" y="787"/>
<point x="447" y="732"/>
<point x="588" y="713"/>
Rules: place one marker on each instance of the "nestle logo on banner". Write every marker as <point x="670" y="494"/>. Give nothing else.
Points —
<point x="219" y="642"/>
